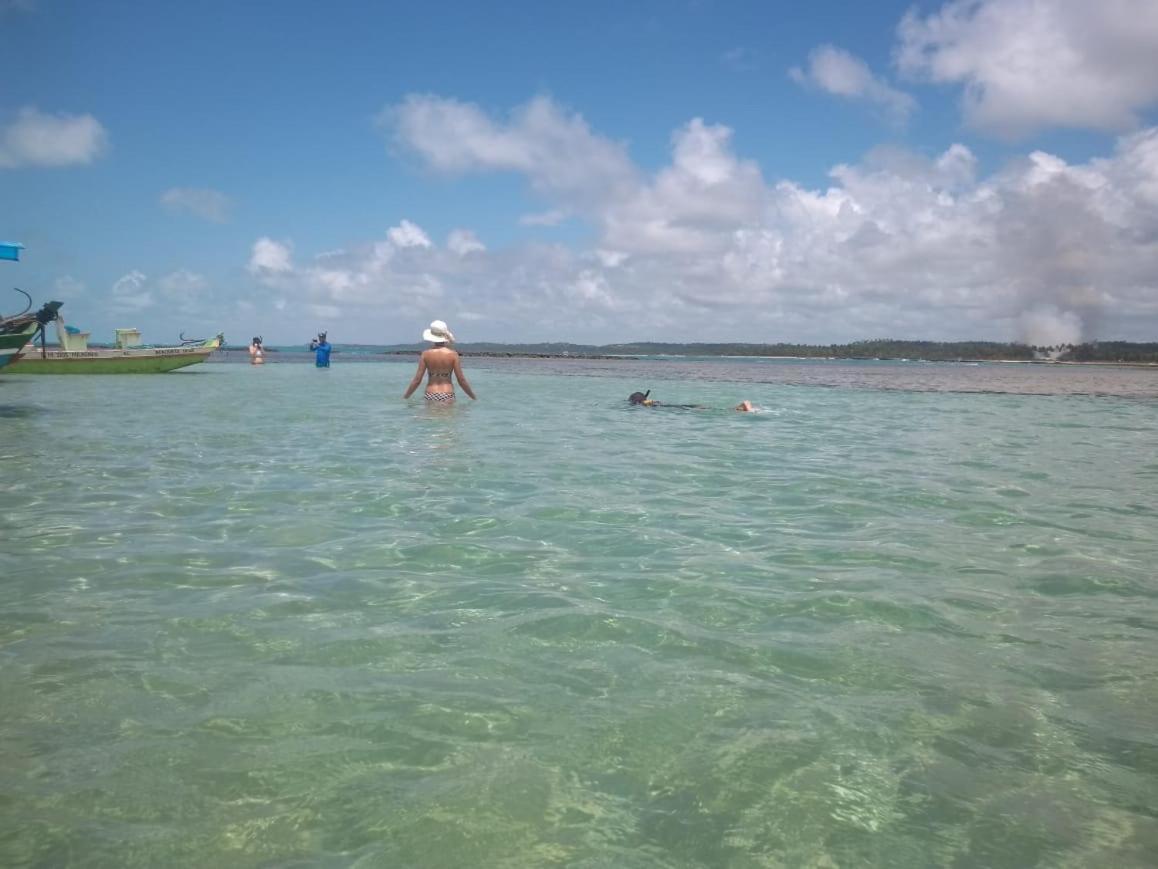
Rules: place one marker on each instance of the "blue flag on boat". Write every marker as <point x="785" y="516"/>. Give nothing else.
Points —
<point x="10" y="250"/>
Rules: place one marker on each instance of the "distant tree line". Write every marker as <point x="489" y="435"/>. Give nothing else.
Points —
<point x="1109" y="351"/>
<point x="878" y="349"/>
<point x="933" y="351"/>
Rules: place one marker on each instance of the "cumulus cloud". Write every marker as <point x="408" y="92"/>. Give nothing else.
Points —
<point x="183" y="291"/>
<point x="837" y="72"/>
<point x="270" y="257"/>
<point x="592" y="289"/>
<point x="463" y="241"/>
<point x="35" y="138"/>
<point x="404" y="270"/>
<point x="208" y="204"/>
<point x="131" y="292"/>
<point x="692" y="205"/>
<point x="554" y="149"/>
<point x="610" y="258"/>
<point x="182" y="284"/>
<point x="896" y="244"/>
<point x="407" y="234"/>
<point x="1032" y="64"/>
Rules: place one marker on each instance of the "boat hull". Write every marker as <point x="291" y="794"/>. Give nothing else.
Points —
<point x="12" y="342"/>
<point x="154" y="360"/>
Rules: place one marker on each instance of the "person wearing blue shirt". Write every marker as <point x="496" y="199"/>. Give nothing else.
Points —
<point x="321" y="348"/>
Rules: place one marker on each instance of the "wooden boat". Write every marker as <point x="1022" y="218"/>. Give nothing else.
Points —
<point x="17" y="331"/>
<point x="127" y="356"/>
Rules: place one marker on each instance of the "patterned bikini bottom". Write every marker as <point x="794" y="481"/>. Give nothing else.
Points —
<point x="440" y="396"/>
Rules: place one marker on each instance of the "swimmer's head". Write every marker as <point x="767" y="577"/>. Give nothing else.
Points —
<point x="638" y="397"/>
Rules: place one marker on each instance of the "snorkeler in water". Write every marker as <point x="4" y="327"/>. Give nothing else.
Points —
<point x="321" y="348"/>
<point x="641" y="398"/>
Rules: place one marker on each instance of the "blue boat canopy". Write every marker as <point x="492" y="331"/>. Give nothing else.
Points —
<point x="11" y="250"/>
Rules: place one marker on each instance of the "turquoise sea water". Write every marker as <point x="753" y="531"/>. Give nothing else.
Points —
<point x="903" y="616"/>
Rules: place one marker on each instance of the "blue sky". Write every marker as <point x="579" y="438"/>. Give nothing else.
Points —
<point x="585" y="172"/>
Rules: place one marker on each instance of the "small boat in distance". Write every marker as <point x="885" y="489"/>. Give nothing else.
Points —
<point x="126" y="356"/>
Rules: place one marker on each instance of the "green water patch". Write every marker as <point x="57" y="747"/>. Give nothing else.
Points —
<point x="588" y="636"/>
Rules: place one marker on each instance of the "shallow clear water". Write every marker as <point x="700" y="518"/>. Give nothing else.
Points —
<point x="279" y="617"/>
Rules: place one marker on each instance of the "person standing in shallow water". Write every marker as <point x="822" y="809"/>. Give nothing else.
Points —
<point x="256" y="352"/>
<point x="439" y="363"/>
<point x="321" y="348"/>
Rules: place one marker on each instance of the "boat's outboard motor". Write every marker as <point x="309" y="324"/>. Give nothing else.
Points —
<point x="48" y="312"/>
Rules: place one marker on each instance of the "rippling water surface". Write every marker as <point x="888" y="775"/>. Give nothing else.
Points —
<point x="279" y="617"/>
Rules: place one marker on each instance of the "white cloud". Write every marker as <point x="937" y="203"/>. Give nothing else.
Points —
<point x="405" y="271"/>
<point x="897" y="244"/>
<point x="270" y="258"/>
<point x="610" y="258"/>
<point x="591" y="288"/>
<point x="1033" y="64"/>
<point x="131" y="292"/>
<point x="835" y="71"/>
<point x="690" y="206"/>
<point x="407" y="234"/>
<point x="555" y="150"/>
<point x="463" y="242"/>
<point x="182" y="284"/>
<point x="184" y="292"/>
<point x="39" y="139"/>
<point x="212" y="205"/>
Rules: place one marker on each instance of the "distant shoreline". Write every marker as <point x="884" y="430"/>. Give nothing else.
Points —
<point x="240" y="354"/>
<point x="881" y="350"/>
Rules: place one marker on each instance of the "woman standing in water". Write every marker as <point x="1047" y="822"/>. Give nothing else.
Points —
<point x="439" y="363"/>
<point x="256" y="352"/>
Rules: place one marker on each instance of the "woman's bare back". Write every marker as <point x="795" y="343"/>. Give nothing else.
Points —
<point x="441" y="365"/>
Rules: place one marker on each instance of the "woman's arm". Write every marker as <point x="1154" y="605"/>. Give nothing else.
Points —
<point x="417" y="376"/>
<point x="462" y="378"/>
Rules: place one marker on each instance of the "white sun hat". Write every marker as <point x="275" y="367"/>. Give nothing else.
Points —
<point x="438" y="333"/>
